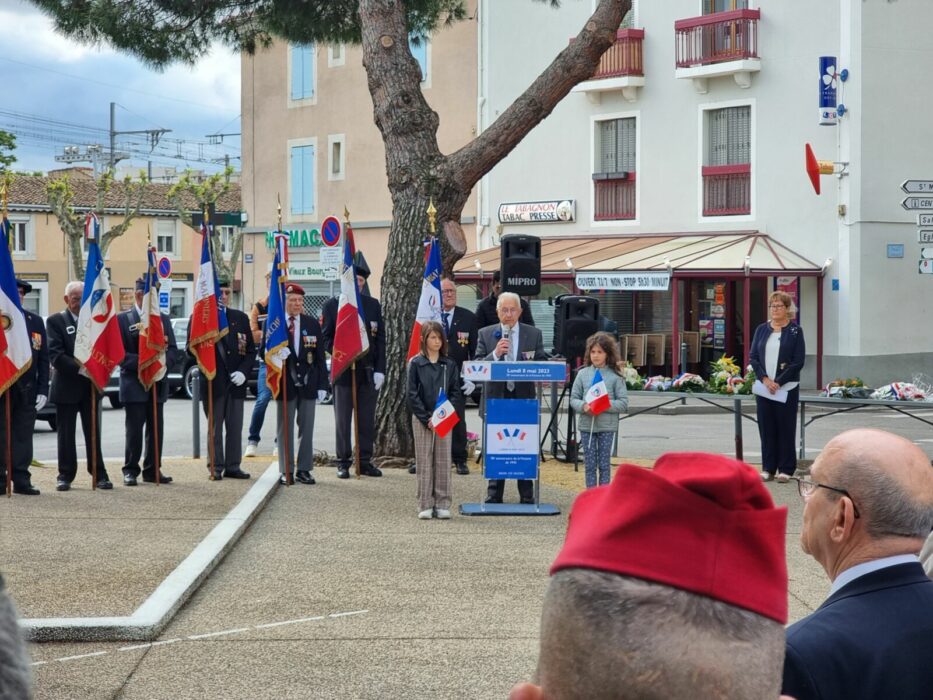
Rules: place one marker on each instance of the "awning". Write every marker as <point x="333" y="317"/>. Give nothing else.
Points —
<point x="742" y="252"/>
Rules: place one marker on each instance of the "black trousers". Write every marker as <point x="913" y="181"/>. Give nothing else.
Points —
<point x="66" y="416"/>
<point x="228" y="432"/>
<point x="139" y="415"/>
<point x="343" y="418"/>
<point x="458" y="445"/>
<point x="777" y="428"/>
<point x="496" y="488"/>
<point x="22" y="423"/>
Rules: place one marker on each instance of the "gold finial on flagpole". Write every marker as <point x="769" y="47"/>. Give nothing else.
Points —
<point x="432" y="214"/>
<point x="278" y="212"/>
<point x="346" y="214"/>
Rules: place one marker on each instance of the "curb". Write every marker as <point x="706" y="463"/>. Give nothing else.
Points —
<point x="150" y="618"/>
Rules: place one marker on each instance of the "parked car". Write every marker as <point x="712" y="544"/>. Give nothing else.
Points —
<point x="181" y="376"/>
<point x="111" y="392"/>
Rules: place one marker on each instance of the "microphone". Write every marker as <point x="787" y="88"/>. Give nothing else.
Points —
<point x="505" y="331"/>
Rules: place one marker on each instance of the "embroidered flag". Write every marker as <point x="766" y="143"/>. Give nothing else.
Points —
<point x="351" y="341"/>
<point x="444" y="417"/>
<point x="152" y="342"/>
<point x="597" y="397"/>
<point x="17" y="356"/>
<point x="98" y="346"/>
<point x="429" y="306"/>
<point x="209" y="319"/>
<point x="277" y="340"/>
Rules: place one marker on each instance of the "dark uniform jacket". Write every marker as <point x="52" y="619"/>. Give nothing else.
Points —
<point x="236" y="352"/>
<point x="375" y="359"/>
<point x="461" y="339"/>
<point x="67" y="385"/>
<point x="35" y="380"/>
<point x="131" y="390"/>
<point x="307" y="371"/>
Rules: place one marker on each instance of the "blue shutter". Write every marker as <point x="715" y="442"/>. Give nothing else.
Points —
<point x="296" y="72"/>
<point x="296" y="180"/>
<point x="302" y="171"/>
<point x="302" y="59"/>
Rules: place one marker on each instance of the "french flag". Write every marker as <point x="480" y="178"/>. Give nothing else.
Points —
<point x="17" y="353"/>
<point x="429" y="305"/>
<point x="208" y="319"/>
<point x="444" y="417"/>
<point x="98" y="346"/>
<point x="152" y="342"/>
<point x="597" y="397"/>
<point x="351" y="341"/>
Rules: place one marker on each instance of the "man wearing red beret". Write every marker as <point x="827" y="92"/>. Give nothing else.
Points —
<point x="672" y="583"/>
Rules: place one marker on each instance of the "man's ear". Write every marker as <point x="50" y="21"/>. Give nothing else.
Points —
<point x="526" y="691"/>
<point x="843" y="519"/>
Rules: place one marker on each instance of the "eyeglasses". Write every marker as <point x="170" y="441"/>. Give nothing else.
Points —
<point x="807" y="488"/>
<point x="448" y="291"/>
<point x="777" y="306"/>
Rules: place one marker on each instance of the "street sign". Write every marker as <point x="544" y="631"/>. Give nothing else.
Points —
<point x="917" y="186"/>
<point x="248" y="258"/>
<point x="924" y="219"/>
<point x="165" y="267"/>
<point x="330" y="263"/>
<point x="926" y="267"/>
<point x="165" y="295"/>
<point x="925" y="236"/>
<point x="910" y="203"/>
<point x="926" y="253"/>
<point x="330" y="231"/>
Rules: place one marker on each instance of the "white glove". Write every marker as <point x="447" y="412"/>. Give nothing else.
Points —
<point x="237" y="378"/>
<point x="378" y="379"/>
<point x="321" y="395"/>
<point x="468" y="387"/>
<point x="41" y="400"/>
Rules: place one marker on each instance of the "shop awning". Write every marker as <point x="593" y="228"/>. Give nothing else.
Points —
<point x="740" y="252"/>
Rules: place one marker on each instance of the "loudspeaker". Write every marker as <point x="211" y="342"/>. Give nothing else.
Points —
<point x="576" y="318"/>
<point x="520" y="264"/>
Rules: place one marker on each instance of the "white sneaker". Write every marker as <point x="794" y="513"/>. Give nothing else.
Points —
<point x="426" y="514"/>
<point x="250" y="450"/>
<point x="275" y="451"/>
<point x="443" y="514"/>
<point x="766" y="476"/>
<point x="782" y="478"/>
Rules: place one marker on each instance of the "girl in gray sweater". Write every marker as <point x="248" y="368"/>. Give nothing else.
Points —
<point x="597" y="431"/>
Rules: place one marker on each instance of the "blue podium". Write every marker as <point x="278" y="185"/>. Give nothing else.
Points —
<point x="511" y="432"/>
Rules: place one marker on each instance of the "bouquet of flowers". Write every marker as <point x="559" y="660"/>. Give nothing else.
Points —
<point x="725" y="376"/>
<point x="899" y="391"/>
<point x="657" y="383"/>
<point x="633" y="380"/>
<point x="688" y="382"/>
<point x="852" y="388"/>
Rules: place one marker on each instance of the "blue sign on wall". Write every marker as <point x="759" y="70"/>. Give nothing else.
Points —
<point x="828" y="101"/>
<point x="511" y="444"/>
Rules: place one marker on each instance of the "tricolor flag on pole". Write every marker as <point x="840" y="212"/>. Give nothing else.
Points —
<point x="209" y="319"/>
<point x="152" y="342"/>
<point x="444" y="417"/>
<point x="597" y="396"/>
<point x="429" y="305"/>
<point x="351" y="341"/>
<point x="98" y="346"/>
<point x="277" y="340"/>
<point x="17" y="353"/>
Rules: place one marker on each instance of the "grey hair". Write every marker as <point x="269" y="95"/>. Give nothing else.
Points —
<point x="15" y="669"/>
<point x="608" y="636"/>
<point x="71" y="286"/>
<point x="509" y="295"/>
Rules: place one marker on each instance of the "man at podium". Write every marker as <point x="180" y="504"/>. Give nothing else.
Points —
<point x="510" y="341"/>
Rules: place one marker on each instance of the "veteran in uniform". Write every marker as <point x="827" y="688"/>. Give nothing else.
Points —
<point x="460" y="326"/>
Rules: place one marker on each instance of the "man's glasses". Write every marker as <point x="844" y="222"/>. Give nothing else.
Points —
<point x="448" y="291"/>
<point x="807" y="488"/>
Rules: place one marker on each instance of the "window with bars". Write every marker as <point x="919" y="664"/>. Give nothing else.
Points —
<point x="614" y="179"/>
<point x="301" y="58"/>
<point x="727" y="170"/>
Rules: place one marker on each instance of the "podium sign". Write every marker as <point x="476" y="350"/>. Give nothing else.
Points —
<point x="511" y="442"/>
<point x="529" y="371"/>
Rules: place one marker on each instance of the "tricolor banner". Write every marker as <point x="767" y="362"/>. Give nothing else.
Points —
<point x="17" y="354"/>
<point x="277" y="340"/>
<point x="209" y="319"/>
<point x="429" y="305"/>
<point x="597" y="396"/>
<point x="152" y="342"/>
<point x="444" y="417"/>
<point x="351" y="341"/>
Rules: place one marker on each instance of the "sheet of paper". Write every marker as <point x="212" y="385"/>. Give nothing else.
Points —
<point x="759" y="389"/>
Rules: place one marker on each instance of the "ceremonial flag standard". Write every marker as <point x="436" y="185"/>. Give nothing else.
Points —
<point x="152" y="342"/>
<point x="351" y="341"/>
<point x="597" y="396"/>
<point x="277" y="340"/>
<point x="429" y="305"/>
<point x="98" y="346"/>
<point x="209" y="319"/>
<point x="17" y="355"/>
<point x="444" y="417"/>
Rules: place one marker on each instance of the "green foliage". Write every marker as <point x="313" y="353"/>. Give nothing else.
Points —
<point x="7" y="146"/>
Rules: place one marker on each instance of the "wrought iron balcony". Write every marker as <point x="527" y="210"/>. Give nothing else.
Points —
<point x="614" y="196"/>
<point x="718" y="44"/>
<point x="727" y="190"/>
<point x="620" y="68"/>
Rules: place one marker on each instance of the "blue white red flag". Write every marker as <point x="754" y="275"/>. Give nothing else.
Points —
<point x="277" y="340"/>
<point x="597" y="397"/>
<point x="429" y="305"/>
<point x="152" y="342"/>
<point x="98" y="346"/>
<point x="17" y="355"/>
<point x="351" y="341"/>
<point x="444" y="417"/>
<point x="209" y="318"/>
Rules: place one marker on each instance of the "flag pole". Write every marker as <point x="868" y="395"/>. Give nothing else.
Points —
<point x="285" y="421"/>
<point x="356" y="422"/>
<point x="9" y="449"/>
<point x="93" y="437"/>
<point x="210" y="426"/>
<point x="155" y="434"/>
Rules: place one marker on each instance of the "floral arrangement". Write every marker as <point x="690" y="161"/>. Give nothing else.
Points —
<point x="725" y="376"/>
<point x="688" y="382"/>
<point x="633" y="380"/>
<point x="851" y="388"/>
<point x="657" y="383"/>
<point x="899" y="391"/>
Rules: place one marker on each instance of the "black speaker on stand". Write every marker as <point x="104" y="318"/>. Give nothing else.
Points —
<point x="520" y="264"/>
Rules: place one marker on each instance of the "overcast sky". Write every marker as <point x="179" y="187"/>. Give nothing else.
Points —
<point x="45" y="75"/>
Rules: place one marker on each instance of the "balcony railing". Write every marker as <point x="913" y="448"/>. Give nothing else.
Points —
<point x="727" y="190"/>
<point x="716" y="38"/>
<point x="614" y="196"/>
<point x="624" y="57"/>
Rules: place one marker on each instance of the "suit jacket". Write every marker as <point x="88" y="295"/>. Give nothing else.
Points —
<point x="131" y="390"/>
<point x="375" y="359"/>
<point x="306" y="372"/>
<point x="461" y="340"/>
<point x="871" y="639"/>
<point x="35" y="380"/>
<point x="791" y="353"/>
<point x="530" y="347"/>
<point x="67" y="385"/>
<point x="236" y="352"/>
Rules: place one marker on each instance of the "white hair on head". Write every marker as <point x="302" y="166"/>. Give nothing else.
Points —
<point x="73" y="285"/>
<point x="509" y="295"/>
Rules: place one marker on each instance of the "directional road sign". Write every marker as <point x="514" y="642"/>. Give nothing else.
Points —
<point x="917" y="186"/>
<point x="925" y="235"/>
<point x="926" y="267"/>
<point x="926" y="253"/>
<point x="924" y="220"/>
<point x="910" y="203"/>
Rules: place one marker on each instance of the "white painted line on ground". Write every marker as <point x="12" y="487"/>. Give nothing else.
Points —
<point x="136" y="646"/>
<point x="217" y="634"/>
<point x="289" y="622"/>
<point x="345" y="614"/>
<point x="167" y="641"/>
<point x="82" y="656"/>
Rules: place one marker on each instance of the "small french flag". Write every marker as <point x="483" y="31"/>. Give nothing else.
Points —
<point x="597" y="397"/>
<point x="444" y="417"/>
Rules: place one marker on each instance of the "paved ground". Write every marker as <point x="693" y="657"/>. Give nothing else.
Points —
<point x="335" y="591"/>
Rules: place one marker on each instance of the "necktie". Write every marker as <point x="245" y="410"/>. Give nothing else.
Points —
<point x="445" y="317"/>
<point x="291" y="331"/>
<point x="510" y="357"/>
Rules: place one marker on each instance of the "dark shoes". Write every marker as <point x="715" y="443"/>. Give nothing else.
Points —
<point x="493" y="499"/>
<point x="236" y="474"/>
<point x="343" y="473"/>
<point x="413" y="469"/>
<point x="129" y="480"/>
<point x="304" y="478"/>
<point x="105" y="484"/>
<point x="163" y="479"/>
<point x="370" y="470"/>
<point x="527" y="501"/>
<point x="25" y="490"/>
<point x="63" y="485"/>
<point x="218" y="476"/>
<point x="463" y="469"/>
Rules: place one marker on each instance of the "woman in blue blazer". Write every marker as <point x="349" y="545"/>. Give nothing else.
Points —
<point x="777" y="356"/>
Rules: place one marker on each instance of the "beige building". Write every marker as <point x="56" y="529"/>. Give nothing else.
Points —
<point x="309" y="140"/>
<point x="41" y="256"/>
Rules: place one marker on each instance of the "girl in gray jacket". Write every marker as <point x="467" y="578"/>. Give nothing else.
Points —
<point x="597" y="431"/>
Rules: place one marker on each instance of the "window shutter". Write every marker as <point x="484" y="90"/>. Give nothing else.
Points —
<point x="739" y="135"/>
<point x="296" y="180"/>
<point x="607" y="147"/>
<point x="307" y="71"/>
<point x="296" y="72"/>
<point x="626" y="149"/>
<point x="307" y="179"/>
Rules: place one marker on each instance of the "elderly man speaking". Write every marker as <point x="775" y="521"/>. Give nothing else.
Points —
<point x="869" y="507"/>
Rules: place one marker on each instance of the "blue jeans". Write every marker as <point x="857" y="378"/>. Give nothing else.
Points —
<point x="597" y="448"/>
<point x="259" y="409"/>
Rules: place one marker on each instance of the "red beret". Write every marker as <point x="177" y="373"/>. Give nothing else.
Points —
<point x="292" y="288"/>
<point x="701" y="522"/>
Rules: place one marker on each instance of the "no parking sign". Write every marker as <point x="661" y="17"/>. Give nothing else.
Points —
<point x="330" y="231"/>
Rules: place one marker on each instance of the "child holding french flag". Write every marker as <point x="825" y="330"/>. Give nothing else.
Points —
<point x="598" y="396"/>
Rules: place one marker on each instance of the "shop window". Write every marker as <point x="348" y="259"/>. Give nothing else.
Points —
<point x="614" y="178"/>
<point x="727" y="171"/>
